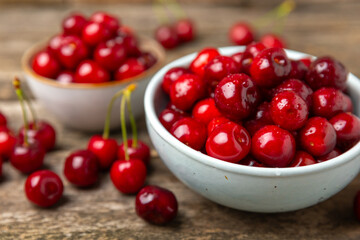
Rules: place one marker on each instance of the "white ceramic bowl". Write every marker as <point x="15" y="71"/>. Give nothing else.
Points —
<point x="242" y="187"/>
<point x="83" y="106"/>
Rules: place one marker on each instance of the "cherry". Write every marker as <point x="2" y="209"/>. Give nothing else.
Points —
<point x="270" y="67"/>
<point x="110" y="54"/>
<point x="130" y="68"/>
<point x="347" y="127"/>
<point x="74" y="24"/>
<point x="215" y="122"/>
<point x="27" y="157"/>
<point x="156" y="205"/>
<point x="317" y="137"/>
<point x="334" y="153"/>
<point x="249" y="161"/>
<point x="72" y="51"/>
<point x="1" y="167"/>
<point x="237" y="58"/>
<point x="45" y="64"/>
<point x="357" y="205"/>
<point x="273" y="146"/>
<point x="190" y="132"/>
<point x="251" y="51"/>
<point x="298" y="69"/>
<point x="186" y="90"/>
<point x="236" y="96"/>
<point x="218" y="68"/>
<point x="273" y="41"/>
<point x="326" y="72"/>
<point x="65" y="77"/>
<point x="229" y="142"/>
<point x="241" y="33"/>
<point x="81" y="168"/>
<point x="205" y="110"/>
<point x="262" y="118"/>
<point x="147" y="59"/>
<point x="169" y="116"/>
<point x="89" y="71"/>
<point x="44" y="188"/>
<point x="94" y="33"/>
<point x="203" y="57"/>
<point x="55" y="43"/>
<point x="111" y="22"/>
<point x="131" y="45"/>
<point x="167" y="36"/>
<point x="327" y="102"/>
<point x="42" y="132"/>
<point x="7" y="142"/>
<point x="302" y="159"/>
<point x="128" y="176"/>
<point x="140" y="151"/>
<point x="171" y="76"/>
<point x="184" y="29"/>
<point x="104" y="148"/>
<point x="306" y="61"/>
<point x="289" y="110"/>
<point x="3" y="120"/>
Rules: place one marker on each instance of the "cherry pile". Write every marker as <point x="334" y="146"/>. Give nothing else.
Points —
<point x="260" y="108"/>
<point x="92" y="50"/>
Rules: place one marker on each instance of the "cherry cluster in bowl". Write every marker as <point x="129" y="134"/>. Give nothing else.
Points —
<point x="260" y="108"/>
<point x="92" y="50"/>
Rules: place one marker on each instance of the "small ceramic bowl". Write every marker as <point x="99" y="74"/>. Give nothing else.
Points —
<point x="241" y="187"/>
<point x="83" y="106"/>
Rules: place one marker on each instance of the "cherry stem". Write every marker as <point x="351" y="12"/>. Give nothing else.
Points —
<point x="32" y="110"/>
<point x="19" y="93"/>
<point x="175" y="8"/>
<point x="132" y="120"/>
<point x="160" y="13"/>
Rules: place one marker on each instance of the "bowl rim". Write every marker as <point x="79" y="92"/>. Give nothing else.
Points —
<point x="153" y="120"/>
<point x="144" y="42"/>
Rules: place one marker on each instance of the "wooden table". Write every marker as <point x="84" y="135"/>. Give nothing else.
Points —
<point x="325" y="27"/>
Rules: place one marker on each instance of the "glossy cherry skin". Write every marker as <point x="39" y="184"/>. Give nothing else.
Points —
<point x="105" y="150"/>
<point x="169" y="116"/>
<point x="302" y="159"/>
<point x="306" y="61"/>
<point x="141" y="151"/>
<point x="270" y="67"/>
<point x="326" y="72"/>
<point x="65" y="77"/>
<point x="236" y="96"/>
<point x="347" y="127"/>
<point x="249" y="161"/>
<point x="261" y="119"/>
<point x="334" y="153"/>
<point x="229" y="142"/>
<point x="7" y="142"/>
<point x="43" y="132"/>
<point x="81" y="168"/>
<point x="72" y="51"/>
<point x="130" y="68"/>
<point x="44" y="188"/>
<point x="357" y="205"/>
<point x="45" y="64"/>
<point x="171" y="76"/>
<point x="273" y="146"/>
<point x="289" y="110"/>
<point x="247" y="58"/>
<point x="215" y="122"/>
<point x="3" y="120"/>
<point x="147" y="59"/>
<point x="241" y="33"/>
<point x="272" y="40"/>
<point x="55" y="43"/>
<point x="298" y="69"/>
<point x="218" y="68"/>
<point x="156" y="205"/>
<point x="190" y="132"/>
<point x="128" y="176"/>
<point x="204" y="56"/>
<point x="74" y="24"/>
<point x="110" y="55"/>
<point x="167" y="36"/>
<point x="185" y="30"/>
<point x="111" y="22"/>
<point x="89" y="71"/>
<point x="186" y="90"/>
<point x="328" y="102"/>
<point x="94" y="33"/>
<point x="205" y="110"/>
<point x="27" y="158"/>
<point x="131" y="45"/>
<point x="317" y="137"/>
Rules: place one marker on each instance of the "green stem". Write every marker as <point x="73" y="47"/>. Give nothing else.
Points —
<point x="16" y="84"/>
<point x="123" y="127"/>
<point x="108" y="114"/>
<point x="132" y="120"/>
<point x="32" y="110"/>
<point x="160" y="13"/>
<point x="175" y="8"/>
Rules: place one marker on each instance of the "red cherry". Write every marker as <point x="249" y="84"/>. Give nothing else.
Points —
<point x="186" y="90"/>
<point x="81" y="168"/>
<point x="156" y="205"/>
<point x="147" y="59"/>
<point x="27" y="158"/>
<point x="229" y="142"/>
<point x="74" y="24"/>
<point x="42" y="132"/>
<point x="65" y="77"/>
<point x="171" y="76"/>
<point x="251" y="51"/>
<point x="273" y="146"/>
<point x="334" y="153"/>
<point x="1" y="167"/>
<point x="326" y="72"/>
<point x="130" y="68"/>
<point x="204" y="56"/>
<point x="169" y="116"/>
<point x="270" y="67"/>
<point x="3" y="120"/>
<point x="318" y="136"/>
<point x="167" y="36"/>
<point x="55" y="43"/>
<point x="45" y="64"/>
<point x="249" y="161"/>
<point x="190" y="132"/>
<point x="110" y="55"/>
<point x="357" y="205"/>
<point x="89" y="71"/>
<point x="184" y="29"/>
<point x="298" y="69"/>
<point x="306" y="61"/>
<point x="44" y="188"/>
<point x="205" y="110"/>
<point x="218" y="68"/>
<point x="236" y="96"/>
<point x="241" y="33"/>
<point x="125" y="30"/>
<point x="111" y="22"/>
<point x="327" y="102"/>
<point x="141" y="151"/>
<point x="131" y="46"/>
<point x="105" y="150"/>
<point x="94" y="33"/>
<point x="7" y="142"/>
<point x="289" y="110"/>
<point x="302" y="159"/>
<point x="237" y="58"/>
<point x="271" y="41"/>
<point x="262" y="118"/>
<point x="347" y="127"/>
<point x="72" y="51"/>
<point x="215" y="122"/>
<point x="128" y="176"/>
